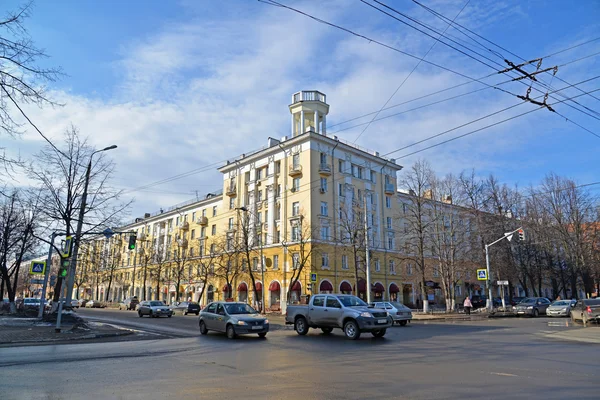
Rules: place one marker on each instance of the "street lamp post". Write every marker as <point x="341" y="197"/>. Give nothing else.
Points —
<point x="262" y="267"/>
<point x="71" y="280"/>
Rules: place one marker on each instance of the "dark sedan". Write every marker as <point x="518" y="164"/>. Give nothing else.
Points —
<point x="233" y="319"/>
<point x="533" y="306"/>
<point x="186" y="307"/>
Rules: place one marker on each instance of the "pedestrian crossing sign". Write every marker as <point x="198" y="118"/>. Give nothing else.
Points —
<point x="37" y="268"/>
<point x="482" y="274"/>
<point x="313" y="277"/>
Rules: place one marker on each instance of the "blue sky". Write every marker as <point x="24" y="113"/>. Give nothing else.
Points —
<point x="167" y="81"/>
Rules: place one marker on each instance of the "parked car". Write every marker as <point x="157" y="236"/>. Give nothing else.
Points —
<point x="533" y="306"/>
<point x="346" y="312"/>
<point x="233" y="319"/>
<point x="586" y="310"/>
<point x="82" y="302"/>
<point x="30" y="303"/>
<point x="186" y="307"/>
<point x="398" y="311"/>
<point x="560" y="308"/>
<point x="129" y="303"/>
<point x="95" y="304"/>
<point x="516" y="300"/>
<point x="154" y="309"/>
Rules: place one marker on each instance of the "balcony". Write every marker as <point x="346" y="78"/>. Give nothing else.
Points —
<point x="308" y="95"/>
<point x="389" y="188"/>
<point x="231" y="191"/>
<point x="324" y="169"/>
<point x="184" y="226"/>
<point x="202" y="221"/>
<point x="183" y="243"/>
<point x="295" y="170"/>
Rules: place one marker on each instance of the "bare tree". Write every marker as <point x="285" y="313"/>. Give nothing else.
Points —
<point x="181" y="261"/>
<point x="417" y="180"/>
<point x="159" y="266"/>
<point x="16" y="240"/>
<point x="249" y="247"/>
<point x="300" y="249"/>
<point x="204" y="269"/>
<point x="228" y="262"/>
<point x="352" y="235"/>
<point x="62" y="182"/>
<point x="22" y="80"/>
<point x="112" y="264"/>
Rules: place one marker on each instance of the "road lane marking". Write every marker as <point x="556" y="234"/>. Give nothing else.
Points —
<point x="502" y="374"/>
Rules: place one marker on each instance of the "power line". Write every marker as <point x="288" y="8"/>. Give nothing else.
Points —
<point x="407" y="77"/>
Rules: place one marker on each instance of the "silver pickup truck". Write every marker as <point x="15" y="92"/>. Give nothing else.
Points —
<point x="329" y="311"/>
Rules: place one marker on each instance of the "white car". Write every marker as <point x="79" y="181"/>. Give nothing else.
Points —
<point x="398" y="311"/>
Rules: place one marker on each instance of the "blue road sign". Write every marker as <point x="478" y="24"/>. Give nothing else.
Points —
<point x="37" y="267"/>
<point x="313" y="277"/>
<point x="482" y="274"/>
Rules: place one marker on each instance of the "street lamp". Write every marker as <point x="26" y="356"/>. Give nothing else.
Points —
<point x="262" y="268"/>
<point x="70" y="283"/>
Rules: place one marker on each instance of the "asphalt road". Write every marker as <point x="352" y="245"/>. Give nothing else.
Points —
<point x="487" y="359"/>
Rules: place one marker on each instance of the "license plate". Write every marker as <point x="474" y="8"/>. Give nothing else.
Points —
<point x="381" y="321"/>
<point x="257" y="327"/>
<point x="520" y="312"/>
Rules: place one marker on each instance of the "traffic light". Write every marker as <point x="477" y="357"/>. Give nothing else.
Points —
<point x="64" y="267"/>
<point x="521" y="235"/>
<point x="132" y="240"/>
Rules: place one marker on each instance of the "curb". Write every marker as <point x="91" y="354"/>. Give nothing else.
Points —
<point x="66" y="339"/>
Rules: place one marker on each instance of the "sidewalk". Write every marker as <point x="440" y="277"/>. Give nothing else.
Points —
<point x="30" y="330"/>
<point x="591" y="334"/>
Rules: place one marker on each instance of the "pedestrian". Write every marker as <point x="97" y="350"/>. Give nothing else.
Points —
<point x="467" y="305"/>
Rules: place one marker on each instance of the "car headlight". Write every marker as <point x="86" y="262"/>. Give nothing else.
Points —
<point x="241" y="322"/>
<point x="530" y="308"/>
<point x="366" y="314"/>
<point x="266" y="321"/>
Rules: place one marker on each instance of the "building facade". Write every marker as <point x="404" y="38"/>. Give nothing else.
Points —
<point x="296" y="210"/>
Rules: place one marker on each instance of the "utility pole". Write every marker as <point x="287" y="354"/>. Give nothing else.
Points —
<point x="368" y="256"/>
<point x="48" y="267"/>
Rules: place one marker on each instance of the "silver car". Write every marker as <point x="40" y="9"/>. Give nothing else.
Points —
<point x="533" y="306"/>
<point x="154" y="309"/>
<point x="233" y="319"/>
<point x="398" y="311"/>
<point x="560" y="308"/>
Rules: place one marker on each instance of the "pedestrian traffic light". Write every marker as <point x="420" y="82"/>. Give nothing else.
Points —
<point x="132" y="240"/>
<point x="521" y="235"/>
<point x="64" y="266"/>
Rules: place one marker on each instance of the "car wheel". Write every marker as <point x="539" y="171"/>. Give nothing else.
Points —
<point x="262" y="335"/>
<point x="301" y="326"/>
<point x="351" y="330"/>
<point x="403" y="323"/>
<point x="185" y="313"/>
<point x="150" y="314"/>
<point x="203" y="330"/>
<point x="170" y="315"/>
<point x="536" y="313"/>
<point x="198" y="313"/>
<point x="379" y="333"/>
<point x="140" y="314"/>
<point x="230" y="332"/>
<point x="327" y="331"/>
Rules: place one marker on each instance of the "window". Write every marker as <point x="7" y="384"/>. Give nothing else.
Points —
<point x="204" y="213"/>
<point x="295" y="208"/>
<point x="278" y="191"/>
<point x="373" y="175"/>
<point x="323" y="158"/>
<point x="296" y="160"/>
<point x="324" y="184"/>
<point x="278" y="167"/>
<point x="194" y="216"/>
<point x="295" y="233"/>
<point x="193" y="234"/>
<point x="214" y="230"/>
<point x="340" y="189"/>
<point x="388" y="202"/>
<point x="229" y="243"/>
<point x="203" y="232"/>
<point x="377" y="266"/>
<point x="278" y="213"/>
<point x="230" y="224"/>
<point x="214" y="211"/>
<point x="409" y="269"/>
<point x="436" y="271"/>
<point x="201" y="248"/>
<point x="324" y="208"/>
<point x="344" y="262"/>
<point x="324" y="260"/>
<point x="258" y="174"/>
<point x="340" y="165"/>
<point x="392" y="267"/>
<point x="360" y="172"/>
<point x="231" y="203"/>
<point x="405" y="227"/>
<point x="390" y="243"/>
<point x="259" y="195"/>
<point x="325" y="232"/>
<point x="389" y="222"/>
<point x="266" y="171"/>
<point x="277" y="237"/>
<point x="332" y="302"/>
<point x="467" y="275"/>
<point x="295" y="260"/>
<point x="319" y="301"/>
<point x="458" y="290"/>
<point x="360" y="197"/>
<point x="191" y="253"/>
<point x="177" y="221"/>
<point x="296" y="184"/>
<point x="275" y="262"/>
<point x="255" y="264"/>
<point x="212" y="248"/>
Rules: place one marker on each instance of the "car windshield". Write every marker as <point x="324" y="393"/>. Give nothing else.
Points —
<point x="156" y="303"/>
<point x="528" y="301"/>
<point x="561" y="303"/>
<point x="398" y="305"/>
<point x="234" y="309"/>
<point x="592" y="302"/>
<point x="351" y="301"/>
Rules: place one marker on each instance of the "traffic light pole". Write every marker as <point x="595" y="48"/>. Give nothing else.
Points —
<point x="489" y="304"/>
<point x="47" y="272"/>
